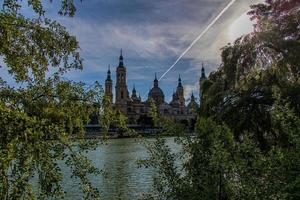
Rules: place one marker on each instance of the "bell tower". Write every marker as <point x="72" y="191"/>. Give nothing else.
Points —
<point x="180" y="94"/>
<point x="202" y="78"/>
<point x="108" y="85"/>
<point x="121" y="86"/>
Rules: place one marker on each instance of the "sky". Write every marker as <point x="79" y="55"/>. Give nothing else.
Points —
<point x="152" y="34"/>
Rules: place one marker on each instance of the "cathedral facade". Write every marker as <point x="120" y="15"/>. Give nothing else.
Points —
<point x="132" y="106"/>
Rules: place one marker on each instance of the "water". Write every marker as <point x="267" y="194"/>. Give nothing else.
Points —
<point x="124" y="179"/>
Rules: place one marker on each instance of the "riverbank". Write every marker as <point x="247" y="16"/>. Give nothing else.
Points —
<point x="124" y="136"/>
<point x="133" y="131"/>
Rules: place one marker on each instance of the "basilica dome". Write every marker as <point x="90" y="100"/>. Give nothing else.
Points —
<point x="156" y="93"/>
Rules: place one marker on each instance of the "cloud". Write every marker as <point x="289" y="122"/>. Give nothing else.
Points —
<point x="152" y="45"/>
<point x="208" y="49"/>
<point x="152" y="35"/>
<point x="189" y="89"/>
<point x="144" y="41"/>
<point x="155" y="29"/>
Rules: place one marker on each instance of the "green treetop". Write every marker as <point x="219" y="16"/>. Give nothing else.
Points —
<point x="40" y="119"/>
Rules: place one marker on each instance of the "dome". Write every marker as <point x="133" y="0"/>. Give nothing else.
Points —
<point x="157" y="95"/>
<point x="156" y="91"/>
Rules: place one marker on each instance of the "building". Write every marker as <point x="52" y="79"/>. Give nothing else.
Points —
<point x="135" y="109"/>
<point x="201" y="80"/>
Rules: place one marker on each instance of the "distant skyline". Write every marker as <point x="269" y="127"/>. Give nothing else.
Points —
<point x="152" y="35"/>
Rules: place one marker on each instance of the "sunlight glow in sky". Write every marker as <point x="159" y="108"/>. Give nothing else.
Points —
<point x="152" y="35"/>
<point x="241" y="26"/>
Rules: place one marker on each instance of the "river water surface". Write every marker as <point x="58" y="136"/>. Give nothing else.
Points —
<point x="124" y="180"/>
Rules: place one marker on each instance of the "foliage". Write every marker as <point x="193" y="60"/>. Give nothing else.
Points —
<point x="171" y="127"/>
<point x="253" y="68"/>
<point x="30" y="46"/>
<point x="198" y="176"/>
<point x="153" y="112"/>
<point x="214" y="165"/>
<point x="107" y="114"/>
<point x="120" y="121"/>
<point x="166" y="124"/>
<point x="41" y="119"/>
<point x="37" y="128"/>
<point x="246" y="142"/>
<point x="113" y="118"/>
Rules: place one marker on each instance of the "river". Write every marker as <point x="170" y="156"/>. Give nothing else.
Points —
<point x="124" y="180"/>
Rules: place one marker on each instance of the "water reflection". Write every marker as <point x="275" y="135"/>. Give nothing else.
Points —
<point x="124" y="179"/>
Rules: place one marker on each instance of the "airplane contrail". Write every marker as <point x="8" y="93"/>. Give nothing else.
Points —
<point x="199" y="37"/>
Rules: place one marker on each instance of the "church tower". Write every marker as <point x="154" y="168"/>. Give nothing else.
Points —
<point x="108" y="86"/>
<point x="180" y="94"/>
<point x="202" y="78"/>
<point x="121" y="86"/>
<point x="134" y="96"/>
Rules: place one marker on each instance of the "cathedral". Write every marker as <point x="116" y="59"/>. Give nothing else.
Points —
<point x="134" y="108"/>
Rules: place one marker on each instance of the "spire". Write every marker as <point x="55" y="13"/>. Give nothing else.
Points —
<point x="155" y="81"/>
<point x="133" y="94"/>
<point x="179" y="81"/>
<point x="108" y="73"/>
<point x="133" y="90"/>
<point x="192" y="97"/>
<point x="121" y="64"/>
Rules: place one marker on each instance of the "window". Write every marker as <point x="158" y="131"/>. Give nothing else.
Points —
<point x="122" y="95"/>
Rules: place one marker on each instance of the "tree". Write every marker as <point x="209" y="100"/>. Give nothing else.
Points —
<point x="213" y="165"/>
<point x="153" y="112"/>
<point x="198" y="175"/>
<point x="246" y="142"/>
<point x="40" y="119"/>
<point x="253" y="67"/>
<point x="120" y="121"/>
<point x="107" y="114"/>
